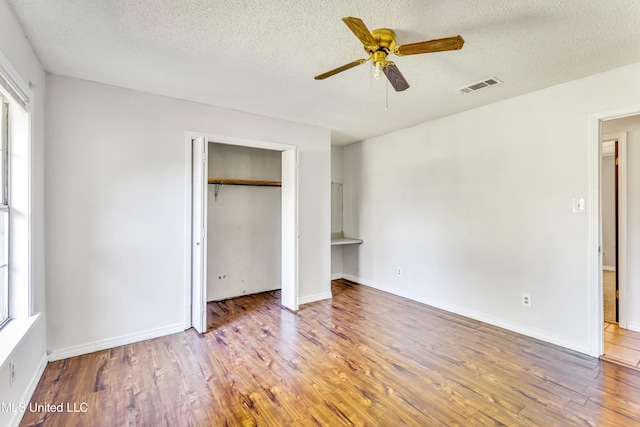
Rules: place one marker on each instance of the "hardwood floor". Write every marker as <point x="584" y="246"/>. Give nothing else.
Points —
<point x="621" y="345"/>
<point x="362" y="358"/>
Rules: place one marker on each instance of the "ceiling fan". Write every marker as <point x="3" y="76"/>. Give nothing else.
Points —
<point x="382" y="42"/>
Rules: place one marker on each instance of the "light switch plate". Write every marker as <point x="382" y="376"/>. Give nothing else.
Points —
<point x="579" y="205"/>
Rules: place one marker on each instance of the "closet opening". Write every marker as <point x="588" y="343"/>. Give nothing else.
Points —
<point x="243" y="222"/>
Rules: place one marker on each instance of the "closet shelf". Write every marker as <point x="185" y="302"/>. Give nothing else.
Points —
<point x="340" y="241"/>
<point x="259" y="183"/>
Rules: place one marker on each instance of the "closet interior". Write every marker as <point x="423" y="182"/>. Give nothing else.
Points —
<point x="243" y="221"/>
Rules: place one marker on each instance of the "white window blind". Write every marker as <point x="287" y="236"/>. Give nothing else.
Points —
<point x="10" y="88"/>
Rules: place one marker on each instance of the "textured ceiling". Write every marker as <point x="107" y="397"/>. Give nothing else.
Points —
<point x="261" y="56"/>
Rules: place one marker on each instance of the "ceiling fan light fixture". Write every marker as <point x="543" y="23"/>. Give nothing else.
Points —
<point x="378" y="73"/>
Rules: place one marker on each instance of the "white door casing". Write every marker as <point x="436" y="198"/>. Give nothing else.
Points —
<point x="621" y="272"/>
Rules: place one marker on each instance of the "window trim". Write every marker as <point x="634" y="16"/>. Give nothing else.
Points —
<point x="5" y="313"/>
<point x="4" y="146"/>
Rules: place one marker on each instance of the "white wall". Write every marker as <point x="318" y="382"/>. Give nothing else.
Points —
<point x="244" y="223"/>
<point x="29" y="355"/>
<point x="631" y="125"/>
<point x="115" y="208"/>
<point x="477" y="208"/>
<point x="608" y="197"/>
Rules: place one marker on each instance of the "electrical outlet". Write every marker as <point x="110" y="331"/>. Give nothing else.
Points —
<point x="12" y="372"/>
<point x="604" y="253"/>
<point x="399" y="271"/>
<point x="526" y="299"/>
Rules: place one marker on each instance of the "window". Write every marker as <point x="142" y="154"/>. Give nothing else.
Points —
<point x="16" y="302"/>
<point x="4" y="210"/>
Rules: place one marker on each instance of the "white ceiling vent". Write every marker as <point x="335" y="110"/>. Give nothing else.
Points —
<point x="480" y="85"/>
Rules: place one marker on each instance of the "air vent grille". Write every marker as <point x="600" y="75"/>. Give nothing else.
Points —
<point x="480" y="85"/>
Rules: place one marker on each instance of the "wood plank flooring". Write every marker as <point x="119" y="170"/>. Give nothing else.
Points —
<point x="621" y="345"/>
<point x="362" y="358"/>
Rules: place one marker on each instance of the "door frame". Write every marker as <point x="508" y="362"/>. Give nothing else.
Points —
<point x="621" y="248"/>
<point x="290" y="225"/>
<point x="595" y="299"/>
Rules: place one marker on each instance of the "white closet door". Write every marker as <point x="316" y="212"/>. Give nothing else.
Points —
<point x="199" y="236"/>
<point x="290" y="236"/>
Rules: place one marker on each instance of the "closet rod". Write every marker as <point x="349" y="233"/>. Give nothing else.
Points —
<point x="228" y="181"/>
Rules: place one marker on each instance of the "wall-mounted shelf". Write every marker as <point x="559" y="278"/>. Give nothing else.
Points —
<point x="229" y="181"/>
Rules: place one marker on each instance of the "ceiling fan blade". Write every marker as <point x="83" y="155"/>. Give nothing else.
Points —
<point x="340" y="69"/>
<point x="396" y="78"/>
<point x="436" y="45"/>
<point x="360" y="30"/>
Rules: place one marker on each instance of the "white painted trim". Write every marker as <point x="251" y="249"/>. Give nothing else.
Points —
<point x="594" y="239"/>
<point x="633" y="326"/>
<point x="609" y="268"/>
<point x="622" y="224"/>
<point x="188" y="148"/>
<point x="244" y="142"/>
<point x="594" y="291"/>
<point x="91" y="347"/>
<point x="608" y="148"/>
<point x="315" y="297"/>
<point x="16" y="81"/>
<point x="31" y="309"/>
<point x="352" y="278"/>
<point x="472" y="314"/>
<point x="336" y="276"/>
<point x="28" y="393"/>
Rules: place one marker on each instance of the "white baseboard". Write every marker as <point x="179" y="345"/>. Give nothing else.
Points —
<point x="81" y="349"/>
<point x="472" y="314"/>
<point x="31" y="388"/>
<point x="608" y="268"/>
<point x="633" y="326"/>
<point x="336" y="276"/>
<point x="315" y="297"/>
<point x="357" y="280"/>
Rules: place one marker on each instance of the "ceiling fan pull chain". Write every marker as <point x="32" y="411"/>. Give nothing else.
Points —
<point x="386" y="107"/>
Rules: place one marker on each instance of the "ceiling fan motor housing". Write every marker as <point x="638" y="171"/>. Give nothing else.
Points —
<point x="385" y="38"/>
<point x="385" y="44"/>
